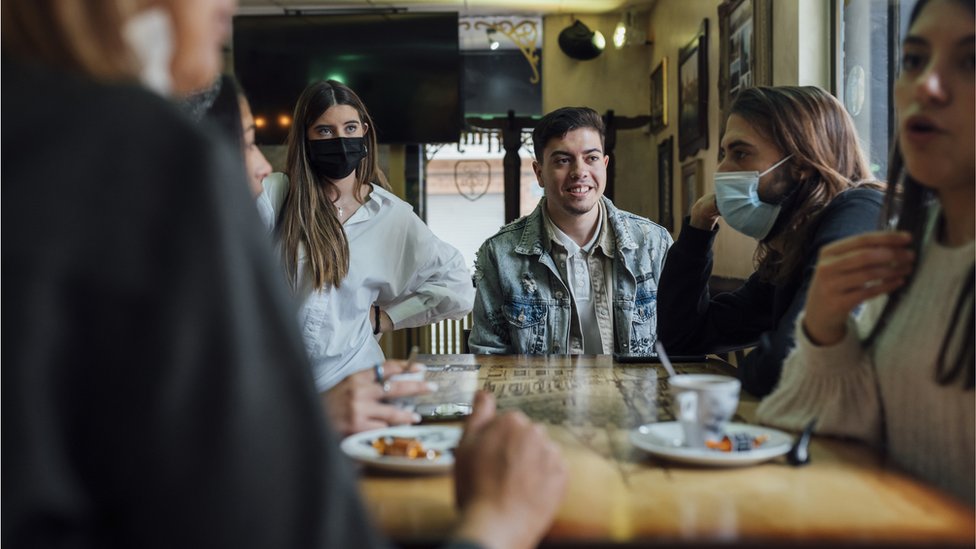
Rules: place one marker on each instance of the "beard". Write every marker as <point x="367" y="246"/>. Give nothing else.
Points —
<point x="789" y="199"/>
<point x="779" y="189"/>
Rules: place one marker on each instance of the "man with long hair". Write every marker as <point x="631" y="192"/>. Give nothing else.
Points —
<point x="794" y="178"/>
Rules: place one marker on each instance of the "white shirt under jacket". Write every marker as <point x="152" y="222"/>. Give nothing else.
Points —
<point x="394" y="261"/>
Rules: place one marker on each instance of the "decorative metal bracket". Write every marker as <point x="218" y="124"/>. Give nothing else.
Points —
<point x="524" y="34"/>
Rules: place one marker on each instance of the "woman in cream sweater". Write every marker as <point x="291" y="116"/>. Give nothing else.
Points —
<point x="901" y="375"/>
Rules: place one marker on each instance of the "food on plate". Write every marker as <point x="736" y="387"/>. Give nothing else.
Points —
<point x="738" y="442"/>
<point x="407" y="447"/>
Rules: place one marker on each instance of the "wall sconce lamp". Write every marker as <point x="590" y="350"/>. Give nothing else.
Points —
<point x="578" y="42"/>
<point x="492" y="39"/>
<point x="628" y="33"/>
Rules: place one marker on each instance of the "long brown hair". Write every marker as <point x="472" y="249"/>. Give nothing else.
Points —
<point x="907" y="209"/>
<point x="308" y="216"/>
<point x="812" y="126"/>
<point x="84" y="37"/>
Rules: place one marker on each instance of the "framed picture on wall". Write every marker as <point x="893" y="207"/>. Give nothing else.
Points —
<point x="659" y="96"/>
<point x="692" y="187"/>
<point x="745" y="49"/>
<point x="693" y="94"/>
<point x="665" y="178"/>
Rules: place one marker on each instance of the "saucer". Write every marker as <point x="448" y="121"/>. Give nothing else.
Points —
<point x="443" y="438"/>
<point x="666" y="440"/>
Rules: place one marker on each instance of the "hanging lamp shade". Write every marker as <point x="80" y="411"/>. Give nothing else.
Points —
<point x="578" y="42"/>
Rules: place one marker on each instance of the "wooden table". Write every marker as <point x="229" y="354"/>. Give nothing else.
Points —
<point x="847" y="495"/>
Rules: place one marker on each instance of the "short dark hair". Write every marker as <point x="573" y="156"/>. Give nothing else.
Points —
<point x="562" y="121"/>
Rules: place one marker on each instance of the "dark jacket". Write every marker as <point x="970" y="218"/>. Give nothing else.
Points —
<point x="690" y="320"/>
<point x="155" y="388"/>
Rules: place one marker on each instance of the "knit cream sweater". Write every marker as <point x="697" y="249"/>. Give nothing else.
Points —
<point x="887" y="395"/>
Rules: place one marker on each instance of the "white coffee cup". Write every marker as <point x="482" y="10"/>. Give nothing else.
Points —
<point x="703" y="405"/>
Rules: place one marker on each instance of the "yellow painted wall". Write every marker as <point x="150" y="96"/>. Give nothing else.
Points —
<point x="801" y="46"/>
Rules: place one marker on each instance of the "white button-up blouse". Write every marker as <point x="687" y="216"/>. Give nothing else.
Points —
<point x="395" y="261"/>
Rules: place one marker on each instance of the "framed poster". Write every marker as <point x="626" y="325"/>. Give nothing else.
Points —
<point x="693" y="94"/>
<point x="665" y="179"/>
<point x="659" y="96"/>
<point x="745" y="49"/>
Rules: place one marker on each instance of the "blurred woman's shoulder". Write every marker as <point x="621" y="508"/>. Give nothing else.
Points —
<point x="109" y="147"/>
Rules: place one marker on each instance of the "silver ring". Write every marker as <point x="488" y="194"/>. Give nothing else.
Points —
<point x="386" y="387"/>
<point x="378" y="371"/>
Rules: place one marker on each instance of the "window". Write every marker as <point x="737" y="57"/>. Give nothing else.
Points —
<point x="868" y="42"/>
<point x="465" y="190"/>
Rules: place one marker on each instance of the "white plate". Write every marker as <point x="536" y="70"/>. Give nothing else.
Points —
<point x="442" y="438"/>
<point x="666" y="440"/>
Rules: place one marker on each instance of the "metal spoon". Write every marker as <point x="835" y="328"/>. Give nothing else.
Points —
<point x="799" y="454"/>
<point x="663" y="355"/>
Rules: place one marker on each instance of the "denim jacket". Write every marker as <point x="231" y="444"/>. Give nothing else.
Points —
<point x="524" y="306"/>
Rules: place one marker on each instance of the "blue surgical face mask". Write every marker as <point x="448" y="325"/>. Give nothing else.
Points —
<point x="737" y="197"/>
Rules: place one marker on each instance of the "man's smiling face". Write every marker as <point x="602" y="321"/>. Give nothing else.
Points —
<point x="573" y="172"/>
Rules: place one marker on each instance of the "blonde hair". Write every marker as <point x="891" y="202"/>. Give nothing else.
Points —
<point x="81" y="36"/>
<point x="308" y="217"/>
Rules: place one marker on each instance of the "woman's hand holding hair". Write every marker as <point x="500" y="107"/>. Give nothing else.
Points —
<point x="704" y="213"/>
<point x="849" y="272"/>
<point x="357" y="403"/>
<point x="509" y="478"/>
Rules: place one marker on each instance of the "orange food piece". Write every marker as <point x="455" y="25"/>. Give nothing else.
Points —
<point x="403" y="447"/>
<point x="726" y="444"/>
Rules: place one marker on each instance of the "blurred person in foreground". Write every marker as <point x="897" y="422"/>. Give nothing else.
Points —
<point x="900" y="375"/>
<point x="156" y="393"/>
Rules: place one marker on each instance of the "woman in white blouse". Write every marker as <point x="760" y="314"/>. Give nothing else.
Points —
<point x="901" y="375"/>
<point x="358" y="257"/>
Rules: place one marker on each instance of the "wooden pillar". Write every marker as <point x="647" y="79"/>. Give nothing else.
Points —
<point x="609" y="142"/>
<point x="512" y="163"/>
<point x="416" y="191"/>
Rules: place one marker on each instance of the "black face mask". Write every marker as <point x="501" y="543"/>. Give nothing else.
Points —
<point x="336" y="158"/>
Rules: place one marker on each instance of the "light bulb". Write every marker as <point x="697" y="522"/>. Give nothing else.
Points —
<point x="492" y="41"/>
<point x="599" y="41"/>
<point x="620" y="35"/>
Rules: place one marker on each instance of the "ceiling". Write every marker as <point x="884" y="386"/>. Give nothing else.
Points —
<point x="464" y="7"/>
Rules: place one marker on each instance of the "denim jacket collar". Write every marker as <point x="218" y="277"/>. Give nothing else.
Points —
<point x="535" y="238"/>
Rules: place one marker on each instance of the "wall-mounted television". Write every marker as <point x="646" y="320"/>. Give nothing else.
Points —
<point x="405" y="66"/>
<point x="497" y="81"/>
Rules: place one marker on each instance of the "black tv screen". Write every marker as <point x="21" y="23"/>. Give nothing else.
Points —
<point x="495" y="82"/>
<point x="406" y="67"/>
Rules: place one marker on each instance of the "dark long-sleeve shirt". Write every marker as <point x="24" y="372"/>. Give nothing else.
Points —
<point x="691" y="320"/>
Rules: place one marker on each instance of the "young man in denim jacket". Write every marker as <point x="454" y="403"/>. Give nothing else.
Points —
<point x="576" y="275"/>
